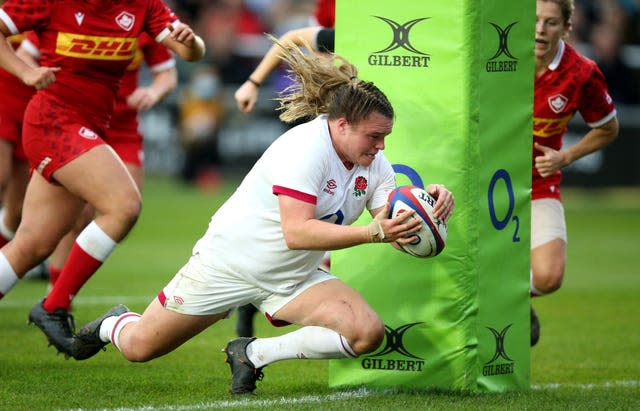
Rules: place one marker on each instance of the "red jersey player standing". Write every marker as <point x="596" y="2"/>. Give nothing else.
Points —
<point x="86" y="47"/>
<point x="565" y="82"/>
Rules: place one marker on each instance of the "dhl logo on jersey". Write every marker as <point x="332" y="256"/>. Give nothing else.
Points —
<point x="96" y="47"/>
<point x="547" y="127"/>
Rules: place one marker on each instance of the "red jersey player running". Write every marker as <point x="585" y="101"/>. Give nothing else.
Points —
<point x="86" y="46"/>
<point x="565" y="82"/>
<point x="123" y="134"/>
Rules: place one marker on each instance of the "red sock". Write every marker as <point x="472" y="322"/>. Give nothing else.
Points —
<point x="79" y="267"/>
<point x="54" y="273"/>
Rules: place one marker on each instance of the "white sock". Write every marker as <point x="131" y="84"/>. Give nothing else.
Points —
<point x="95" y="242"/>
<point x="306" y="343"/>
<point x="106" y="327"/>
<point x="8" y="277"/>
<point x="4" y="230"/>
<point x="532" y="289"/>
<point x="112" y="326"/>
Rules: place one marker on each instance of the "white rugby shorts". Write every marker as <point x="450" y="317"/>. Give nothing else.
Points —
<point x="198" y="289"/>
<point x="547" y="221"/>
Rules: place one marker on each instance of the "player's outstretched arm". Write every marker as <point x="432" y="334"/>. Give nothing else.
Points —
<point x="247" y="94"/>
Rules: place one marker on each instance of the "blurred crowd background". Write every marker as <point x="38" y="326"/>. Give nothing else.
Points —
<point x="200" y="135"/>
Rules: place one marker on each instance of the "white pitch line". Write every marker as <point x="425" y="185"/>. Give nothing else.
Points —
<point x="588" y="386"/>
<point x="339" y="396"/>
<point x="308" y="399"/>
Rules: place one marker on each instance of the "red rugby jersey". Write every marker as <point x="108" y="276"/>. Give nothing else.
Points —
<point x="572" y="83"/>
<point x="92" y="42"/>
<point x="325" y="12"/>
<point x="154" y="54"/>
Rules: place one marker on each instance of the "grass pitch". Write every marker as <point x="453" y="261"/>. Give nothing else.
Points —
<point x="588" y="356"/>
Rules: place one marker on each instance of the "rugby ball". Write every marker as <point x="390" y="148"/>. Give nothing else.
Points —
<point x="432" y="236"/>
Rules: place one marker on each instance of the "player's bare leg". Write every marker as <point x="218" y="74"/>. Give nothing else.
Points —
<point x="140" y="338"/>
<point x="337" y="323"/>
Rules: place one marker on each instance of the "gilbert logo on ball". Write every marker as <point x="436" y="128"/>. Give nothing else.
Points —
<point x="431" y="238"/>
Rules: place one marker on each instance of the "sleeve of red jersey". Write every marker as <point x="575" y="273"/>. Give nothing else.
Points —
<point x="31" y="43"/>
<point x="596" y="106"/>
<point x="158" y="57"/>
<point x="158" y="17"/>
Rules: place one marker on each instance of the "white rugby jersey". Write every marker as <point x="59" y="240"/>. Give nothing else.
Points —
<point x="245" y="237"/>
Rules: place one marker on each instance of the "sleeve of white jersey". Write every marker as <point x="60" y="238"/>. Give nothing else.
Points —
<point x="299" y="166"/>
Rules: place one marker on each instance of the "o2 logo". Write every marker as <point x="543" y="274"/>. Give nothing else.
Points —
<point x="411" y="174"/>
<point x="501" y="223"/>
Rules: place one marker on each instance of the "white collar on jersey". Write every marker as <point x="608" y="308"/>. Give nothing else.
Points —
<point x="556" y="59"/>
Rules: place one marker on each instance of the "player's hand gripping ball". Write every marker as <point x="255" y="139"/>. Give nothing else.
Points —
<point x="432" y="236"/>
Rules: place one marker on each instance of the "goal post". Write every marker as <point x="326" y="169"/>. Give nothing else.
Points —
<point x="460" y="77"/>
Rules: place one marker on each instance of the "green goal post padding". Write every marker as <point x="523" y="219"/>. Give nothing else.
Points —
<point x="460" y="77"/>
